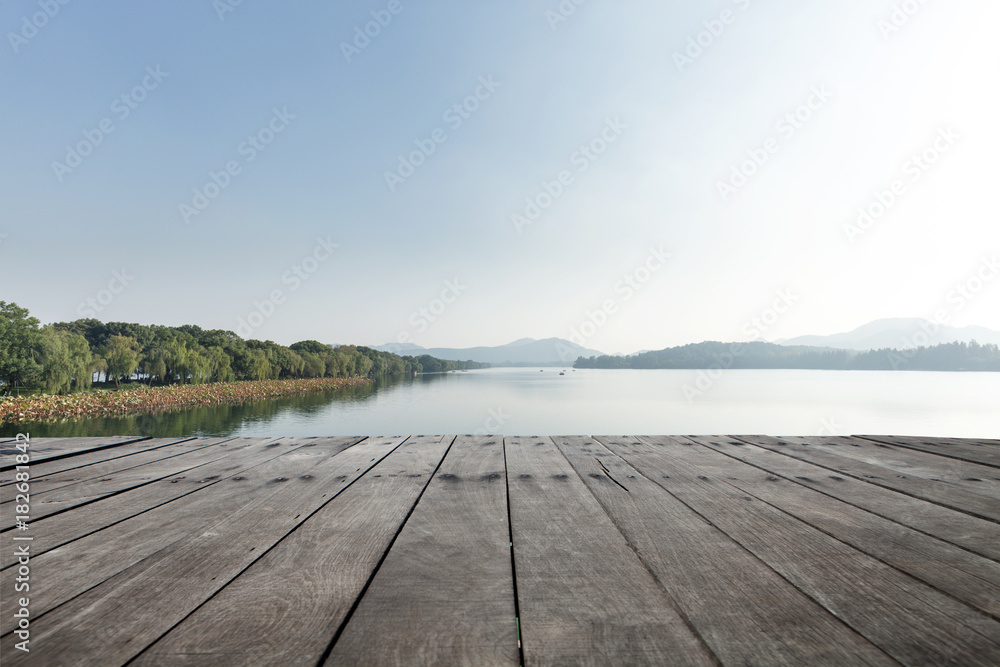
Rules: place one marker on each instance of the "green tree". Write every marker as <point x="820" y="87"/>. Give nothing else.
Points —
<point x="363" y="366"/>
<point x="310" y="346"/>
<point x="220" y="365"/>
<point x="20" y="347"/>
<point x="315" y="367"/>
<point x="122" y="357"/>
<point x="154" y="364"/>
<point x="94" y="331"/>
<point x="84" y="362"/>
<point x="175" y="356"/>
<point x="56" y="361"/>
<point x="260" y="366"/>
<point x="199" y="366"/>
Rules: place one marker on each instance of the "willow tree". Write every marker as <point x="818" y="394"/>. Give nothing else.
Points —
<point x="122" y="357"/>
<point x="260" y="365"/>
<point x="154" y="364"/>
<point x="83" y="361"/>
<point x="220" y="365"/>
<point x="66" y="360"/>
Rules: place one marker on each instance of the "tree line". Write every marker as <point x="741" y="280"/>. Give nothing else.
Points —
<point x="67" y="356"/>
<point x="945" y="357"/>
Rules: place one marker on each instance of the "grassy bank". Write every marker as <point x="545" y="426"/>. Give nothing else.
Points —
<point x="141" y="399"/>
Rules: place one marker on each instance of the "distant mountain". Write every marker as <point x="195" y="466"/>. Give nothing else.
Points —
<point x="722" y="356"/>
<point x="898" y="333"/>
<point x="521" y="352"/>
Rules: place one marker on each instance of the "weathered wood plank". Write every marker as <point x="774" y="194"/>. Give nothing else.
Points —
<point x="47" y="449"/>
<point x="742" y="609"/>
<point x="994" y="442"/>
<point x="67" y="497"/>
<point x="42" y="485"/>
<point x="445" y="593"/>
<point x="955" y="441"/>
<point x="61" y="529"/>
<point x="114" y="621"/>
<point x="287" y="606"/>
<point x="940" y="493"/>
<point x="983" y="453"/>
<point x="909" y="620"/>
<point x="85" y="563"/>
<point x="82" y="564"/>
<point x="966" y="576"/>
<point x="972" y="477"/>
<point x="585" y="598"/>
<point x="977" y="535"/>
<point x="167" y="571"/>
<point x="43" y="469"/>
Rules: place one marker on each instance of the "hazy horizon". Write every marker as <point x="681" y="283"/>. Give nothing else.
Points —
<point x="467" y="176"/>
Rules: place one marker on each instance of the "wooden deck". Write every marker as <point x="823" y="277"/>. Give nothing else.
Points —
<point x="481" y="550"/>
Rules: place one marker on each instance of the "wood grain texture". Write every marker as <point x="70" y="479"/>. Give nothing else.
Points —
<point x="742" y="609"/>
<point x="975" y="451"/>
<point x="302" y="590"/>
<point x="62" y="529"/>
<point x="971" y="477"/>
<point x="115" y="620"/>
<point x="79" y="565"/>
<point x="47" y="449"/>
<point x="42" y="486"/>
<point x="585" y="597"/>
<point x="963" y="575"/>
<point x="68" y="497"/>
<point x="445" y="593"/>
<point x="43" y="469"/>
<point x="909" y="620"/>
<point x="976" y="535"/>
<point x="941" y="493"/>
<point x="656" y="550"/>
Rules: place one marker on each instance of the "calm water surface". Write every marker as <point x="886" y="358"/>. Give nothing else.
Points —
<point x="531" y="401"/>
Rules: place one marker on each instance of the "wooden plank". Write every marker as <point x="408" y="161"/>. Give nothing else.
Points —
<point x="87" y="562"/>
<point x="940" y="493"/>
<point x="287" y="606"/>
<point x="963" y="575"/>
<point x="937" y="441"/>
<point x="114" y="621"/>
<point x="742" y="609"/>
<point x="912" y="622"/>
<point x="584" y="596"/>
<point x="445" y="593"/>
<point x="46" y="468"/>
<point x="61" y="529"/>
<point x="68" y="497"/>
<point x="995" y="442"/>
<point x="972" y="477"/>
<point x="41" y="485"/>
<point x="983" y="453"/>
<point x="48" y="449"/>
<point x="976" y="535"/>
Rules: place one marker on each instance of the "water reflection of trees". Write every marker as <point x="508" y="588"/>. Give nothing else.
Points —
<point x="213" y="420"/>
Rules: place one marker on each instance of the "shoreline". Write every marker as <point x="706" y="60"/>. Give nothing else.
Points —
<point x="141" y="399"/>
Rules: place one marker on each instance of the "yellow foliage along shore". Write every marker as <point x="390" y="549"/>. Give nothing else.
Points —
<point x="143" y="399"/>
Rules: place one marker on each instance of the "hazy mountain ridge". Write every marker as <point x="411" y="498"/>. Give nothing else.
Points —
<point x="889" y="333"/>
<point x="524" y="351"/>
<point x="897" y="333"/>
<point x="760" y="355"/>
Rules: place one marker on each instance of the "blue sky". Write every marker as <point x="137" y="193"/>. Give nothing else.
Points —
<point x="625" y="134"/>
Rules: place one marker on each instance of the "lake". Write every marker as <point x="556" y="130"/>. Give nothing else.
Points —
<point x="529" y="401"/>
